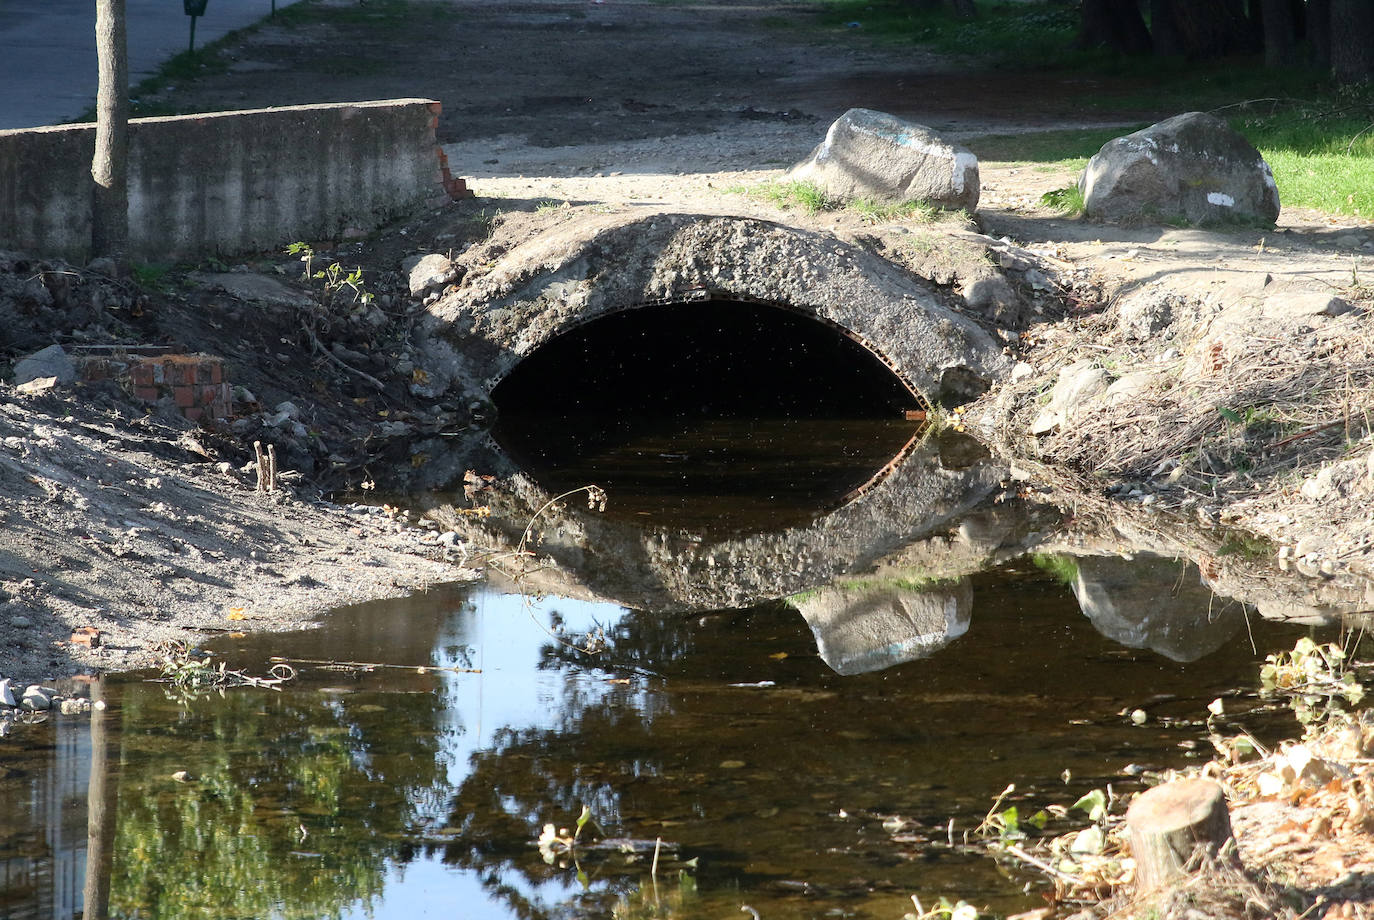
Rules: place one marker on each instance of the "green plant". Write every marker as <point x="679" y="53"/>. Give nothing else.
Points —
<point x="943" y="909"/>
<point x="1006" y="824"/>
<point x="1317" y="679"/>
<point x="151" y="276"/>
<point x="337" y="281"/>
<point x="1067" y="201"/>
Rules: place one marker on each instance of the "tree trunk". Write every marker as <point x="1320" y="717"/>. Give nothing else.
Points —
<point x="1168" y="826"/>
<point x="1352" y="40"/>
<point x="1214" y="29"/>
<point x="1168" y="40"/>
<point x="1280" y="32"/>
<point x="1319" y="31"/>
<point x="109" y="166"/>
<point x="1114" y="24"/>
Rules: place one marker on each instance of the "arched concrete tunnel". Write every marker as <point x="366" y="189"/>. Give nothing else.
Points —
<point x="729" y="311"/>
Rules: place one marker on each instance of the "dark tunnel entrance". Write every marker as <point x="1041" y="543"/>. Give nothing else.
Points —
<point x="717" y="359"/>
<point x="727" y="412"/>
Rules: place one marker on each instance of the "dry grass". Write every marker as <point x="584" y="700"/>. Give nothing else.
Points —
<point x="1251" y="405"/>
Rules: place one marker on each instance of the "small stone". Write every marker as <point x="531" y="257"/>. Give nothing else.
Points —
<point x="448" y="537"/>
<point x="7" y="693"/>
<point x="1022" y="370"/>
<point x="20" y="622"/>
<point x="428" y="271"/>
<point x="37" y="698"/>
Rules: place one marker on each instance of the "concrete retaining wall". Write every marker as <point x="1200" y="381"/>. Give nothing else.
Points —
<point x="229" y="182"/>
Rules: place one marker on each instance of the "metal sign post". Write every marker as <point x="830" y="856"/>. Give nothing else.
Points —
<point x="194" y="9"/>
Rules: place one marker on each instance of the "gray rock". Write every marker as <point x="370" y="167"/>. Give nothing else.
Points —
<point x="1078" y="383"/>
<point x="263" y="289"/>
<point x="425" y="272"/>
<point x="1143" y="316"/>
<point x="1305" y="304"/>
<point x="20" y="622"/>
<point x="868" y="154"/>
<point x="1129" y="387"/>
<point x="103" y="265"/>
<point x="50" y="362"/>
<point x="1191" y="166"/>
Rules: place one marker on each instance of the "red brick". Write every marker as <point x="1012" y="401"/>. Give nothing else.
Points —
<point x="185" y="396"/>
<point x="160" y="374"/>
<point x="216" y="373"/>
<point x="147" y="394"/>
<point x="142" y="374"/>
<point x="208" y="394"/>
<point x="193" y="414"/>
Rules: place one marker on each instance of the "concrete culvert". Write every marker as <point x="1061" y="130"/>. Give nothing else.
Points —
<point x="602" y="265"/>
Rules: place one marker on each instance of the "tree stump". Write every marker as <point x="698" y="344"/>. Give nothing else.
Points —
<point x="1168" y="826"/>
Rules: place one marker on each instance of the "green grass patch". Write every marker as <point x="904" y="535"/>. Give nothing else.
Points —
<point x="1067" y="201"/>
<point x="393" y="14"/>
<point x="810" y="198"/>
<point x="1003" y="31"/>
<point x="1062" y="568"/>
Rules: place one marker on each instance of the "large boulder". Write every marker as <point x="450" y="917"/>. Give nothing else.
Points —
<point x="868" y="154"/>
<point x="52" y="361"/>
<point x="1191" y="166"/>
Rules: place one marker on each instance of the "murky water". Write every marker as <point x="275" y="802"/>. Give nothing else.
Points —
<point x="802" y="750"/>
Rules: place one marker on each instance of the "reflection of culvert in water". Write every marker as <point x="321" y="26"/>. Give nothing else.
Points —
<point x="719" y="414"/>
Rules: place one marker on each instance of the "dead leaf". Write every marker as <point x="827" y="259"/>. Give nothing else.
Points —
<point x="236" y="613"/>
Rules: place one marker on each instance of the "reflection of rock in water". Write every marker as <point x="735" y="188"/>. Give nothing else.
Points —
<point x="864" y="627"/>
<point x="1157" y="603"/>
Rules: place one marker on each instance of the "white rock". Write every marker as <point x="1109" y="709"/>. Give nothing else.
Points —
<point x="37" y="698"/>
<point x="7" y="693"/>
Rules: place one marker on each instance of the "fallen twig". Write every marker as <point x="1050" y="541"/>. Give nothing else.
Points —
<point x="372" y="665"/>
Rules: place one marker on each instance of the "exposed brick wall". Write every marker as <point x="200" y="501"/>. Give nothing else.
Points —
<point x="195" y="383"/>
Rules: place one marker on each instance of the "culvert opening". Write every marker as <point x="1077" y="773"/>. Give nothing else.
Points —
<point x="714" y="415"/>
<point x="715" y="359"/>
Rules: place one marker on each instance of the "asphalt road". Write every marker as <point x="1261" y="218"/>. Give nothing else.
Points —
<point x="47" y="49"/>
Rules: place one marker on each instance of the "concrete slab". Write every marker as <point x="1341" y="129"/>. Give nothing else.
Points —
<point x="47" y="49"/>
